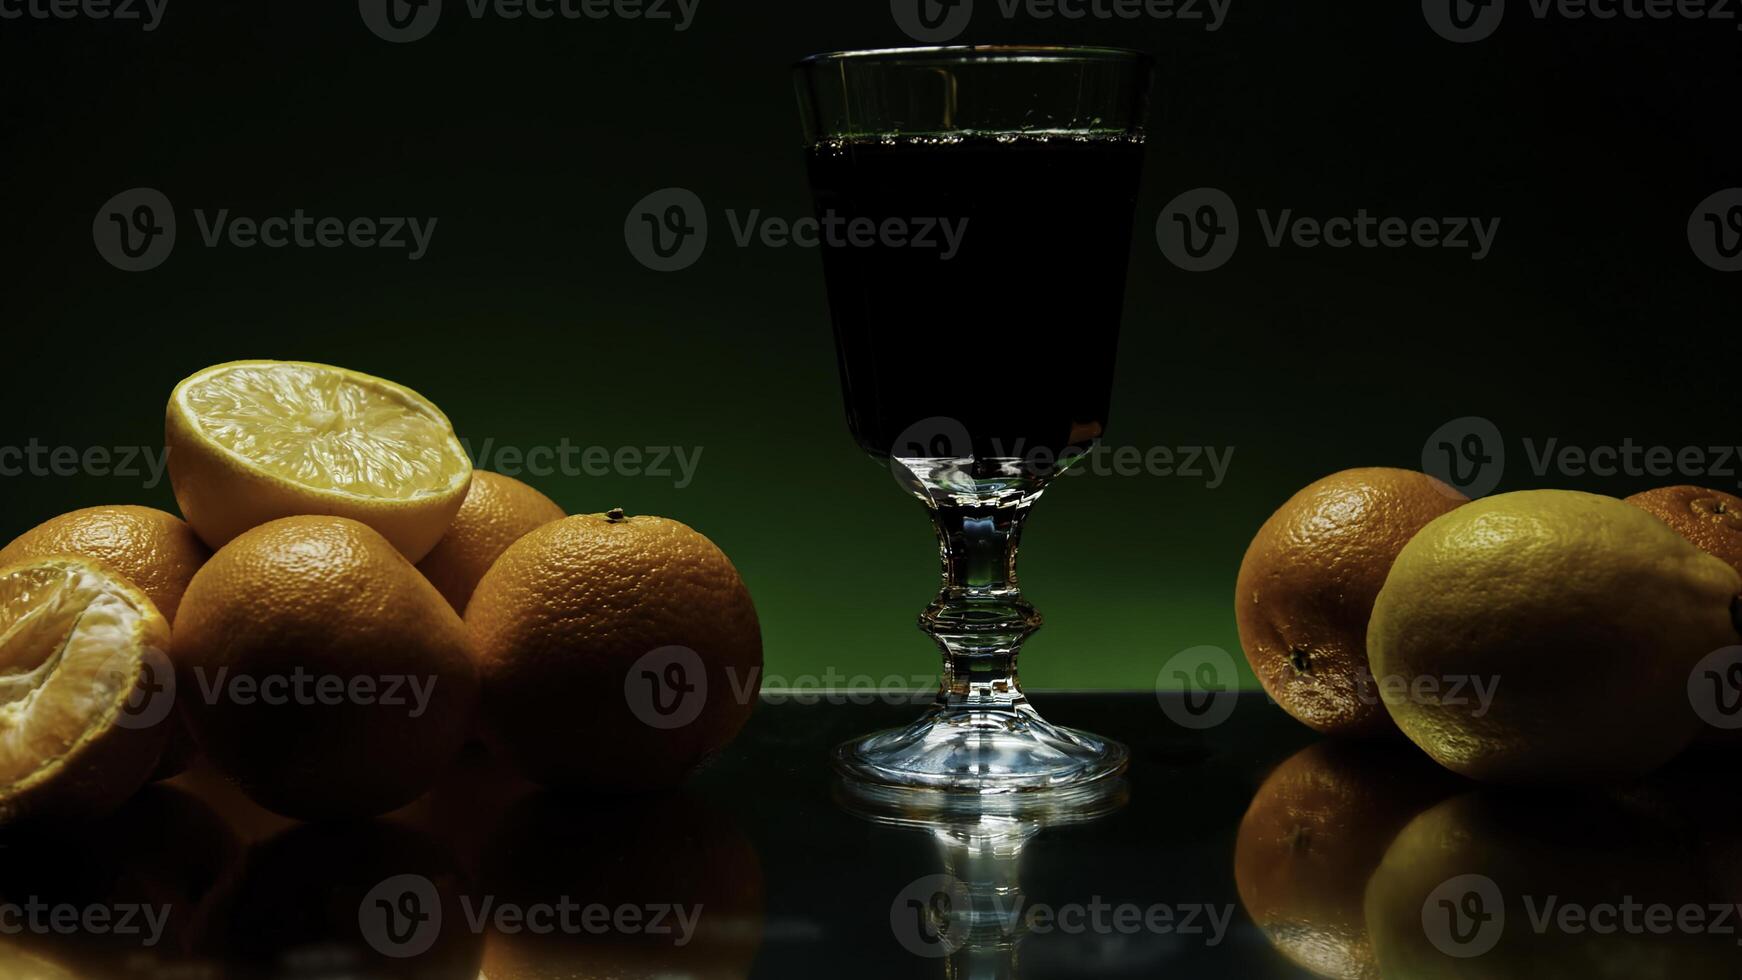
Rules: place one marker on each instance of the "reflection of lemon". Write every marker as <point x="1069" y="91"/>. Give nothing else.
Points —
<point x="1314" y="832"/>
<point x="1541" y="885"/>
<point x="253" y="441"/>
<point x="76" y="649"/>
<point x="1578" y="615"/>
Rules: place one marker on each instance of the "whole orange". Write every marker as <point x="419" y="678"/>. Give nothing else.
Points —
<point x="320" y="671"/>
<point x="1710" y="519"/>
<point x="153" y="549"/>
<point x="617" y="653"/>
<point x="1307" y="584"/>
<point x="497" y="511"/>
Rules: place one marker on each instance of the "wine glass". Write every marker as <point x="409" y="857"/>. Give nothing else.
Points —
<point x="975" y="209"/>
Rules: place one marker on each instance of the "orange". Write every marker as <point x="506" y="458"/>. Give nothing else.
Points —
<point x="1307" y="584"/>
<point x="1710" y="519"/>
<point x="498" y="510"/>
<point x="82" y="669"/>
<point x="155" y="550"/>
<point x="617" y="653"/>
<point x="253" y="441"/>
<point x="1314" y="833"/>
<point x="320" y="671"/>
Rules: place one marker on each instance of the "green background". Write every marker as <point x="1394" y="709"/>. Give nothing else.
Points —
<point x="530" y="323"/>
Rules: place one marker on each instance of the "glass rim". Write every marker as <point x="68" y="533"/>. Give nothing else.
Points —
<point x="981" y="53"/>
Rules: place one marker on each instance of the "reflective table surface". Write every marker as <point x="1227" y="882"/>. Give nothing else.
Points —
<point x="1246" y="848"/>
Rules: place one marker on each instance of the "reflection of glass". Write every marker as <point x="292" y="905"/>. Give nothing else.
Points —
<point x="967" y="910"/>
<point x="979" y="364"/>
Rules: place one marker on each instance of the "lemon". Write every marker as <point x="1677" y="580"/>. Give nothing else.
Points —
<point x="1548" y="635"/>
<point x="253" y="441"/>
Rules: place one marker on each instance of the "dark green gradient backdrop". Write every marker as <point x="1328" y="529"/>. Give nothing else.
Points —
<point x="530" y="322"/>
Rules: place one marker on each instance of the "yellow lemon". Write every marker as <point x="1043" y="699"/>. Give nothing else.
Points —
<point x="253" y="441"/>
<point x="1548" y="635"/>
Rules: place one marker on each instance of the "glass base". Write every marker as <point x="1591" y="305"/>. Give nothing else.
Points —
<point x="981" y="749"/>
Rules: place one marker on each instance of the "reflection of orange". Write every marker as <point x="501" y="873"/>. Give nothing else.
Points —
<point x="1314" y="832"/>
<point x="164" y="849"/>
<point x="1307" y="585"/>
<point x="300" y="897"/>
<point x="663" y="850"/>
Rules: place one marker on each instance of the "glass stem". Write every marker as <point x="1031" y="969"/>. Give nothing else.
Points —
<point x="979" y="618"/>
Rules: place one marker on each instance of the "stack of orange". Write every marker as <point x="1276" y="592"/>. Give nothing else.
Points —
<point x="305" y="623"/>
